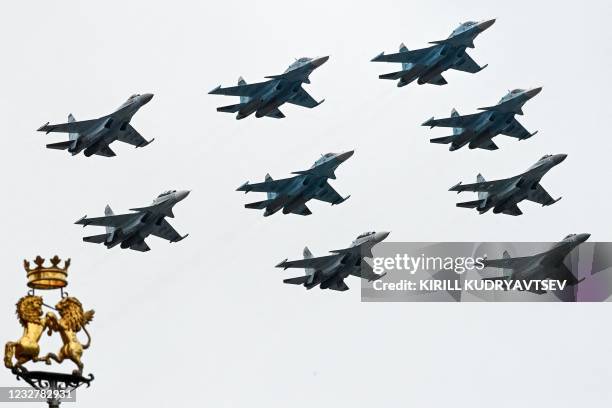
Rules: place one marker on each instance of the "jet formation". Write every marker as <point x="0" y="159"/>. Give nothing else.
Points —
<point x="130" y="230"/>
<point x="291" y="194"/>
<point x="329" y="271"/>
<point x="503" y="195"/>
<point x="94" y="136"/>
<point x="264" y="98"/>
<point x="542" y="266"/>
<point x="426" y="65"/>
<point x="478" y="129"/>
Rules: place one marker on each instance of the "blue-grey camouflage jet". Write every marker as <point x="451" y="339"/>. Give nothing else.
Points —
<point x="94" y="136"/>
<point x="504" y="195"/>
<point x="264" y="98"/>
<point x="478" y="129"/>
<point x="291" y="194"/>
<point x="329" y="271"/>
<point x="428" y="64"/>
<point x="130" y="230"/>
<point x="542" y="266"/>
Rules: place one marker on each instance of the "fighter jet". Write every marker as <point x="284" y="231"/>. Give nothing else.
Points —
<point x="428" y="64"/>
<point x="329" y="271"/>
<point x="478" y="129"/>
<point x="291" y="194"/>
<point x="130" y="230"/>
<point x="264" y="98"/>
<point x="504" y="195"/>
<point x="94" y="136"/>
<point x="543" y="266"/>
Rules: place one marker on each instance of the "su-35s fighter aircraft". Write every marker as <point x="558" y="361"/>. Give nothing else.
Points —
<point x="428" y="64"/>
<point x="264" y="98"/>
<point x="543" y="266"/>
<point x="291" y="194"/>
<point x="329" y="271"/>
<point x="478" y="129"/>
<point x="504" y="195"/>
<point x="130" y="230"/>
<point x="94" y="136"/>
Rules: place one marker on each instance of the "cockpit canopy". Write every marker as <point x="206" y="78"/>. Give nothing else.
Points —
<point x="133" y="97"/>
<point x="165" y="193"/>
<point x="546" y="156"/>
<point x="569" y="236"/>
<point x="366" y="234"/>
<point x="463" y="27"/>
<point x="511" y="94"/>
<point x="298" y="63"/>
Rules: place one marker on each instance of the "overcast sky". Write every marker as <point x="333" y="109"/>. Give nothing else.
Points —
<point x="208" y="321"/>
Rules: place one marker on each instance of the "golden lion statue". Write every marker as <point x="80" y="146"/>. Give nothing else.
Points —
<point x="73" y="319"/>
<point x="29" y="311"/>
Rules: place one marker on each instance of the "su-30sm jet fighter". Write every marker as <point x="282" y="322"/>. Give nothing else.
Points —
<point x="547" y="265"/>
<point x="329" y="271"/>
<point x="504" y="195"/>
<point x="264" y="98"/>
<point x="478" y="129"/>
<point x="94" y="136"/>
<point x="130" y="230"/>
<point x="428" y="64"/>
<point x="291" y="194"/>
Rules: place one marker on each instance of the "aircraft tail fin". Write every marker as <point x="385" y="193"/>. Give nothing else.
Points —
<point x="97" y="239"/>
<point x="310" y="272"/>
<point x="72" y="136"/>
<point x="271" y="195"/>
<point x="507" y="271"/>
<point x="455" y="114"/>
<point x="108" y="212"/>
<point x="243" y="99"/>
<point x="482" y="195"/>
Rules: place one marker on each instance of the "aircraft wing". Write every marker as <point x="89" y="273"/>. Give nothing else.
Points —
<point x="165" y="231"/>
<point x="270" y="186"/>
<point x="303" y="98"/>
<point x="404" y="56"/>
<point x="116" y="221"/>
<point x="485" y="186"/>
<point x="131" y="136"/>
<point x="314" y="263"/>
<point x="515" y="129"/>
<point x="540" y="196"/>
<point x="70" y="127"/>
<point x="508" y="263"/>
<point x="455" y="121"/>
<point x="367" y="274"/>
<point x="329" y="195"/>
<point x="240" y="90"/>
<point x="469" y="65"/>
<point x="105" y="151"/>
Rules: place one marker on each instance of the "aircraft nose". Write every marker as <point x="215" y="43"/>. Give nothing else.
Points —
<point x="146" y="98"/>
<point x="342" y="157"/>
<point x="483" y="25"/>
<point x="317" y="62"/>
<point x="181" y="195"/>
<point x="381" y="235"/>
<point x="583" y="237"/>
<point x="558" y="158"/>
<point x="533" y="92"/>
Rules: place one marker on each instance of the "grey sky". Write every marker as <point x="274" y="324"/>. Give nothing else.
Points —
<point x="208" y="321"/>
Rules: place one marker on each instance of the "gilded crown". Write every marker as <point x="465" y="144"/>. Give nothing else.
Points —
<point x="47" y="277"/>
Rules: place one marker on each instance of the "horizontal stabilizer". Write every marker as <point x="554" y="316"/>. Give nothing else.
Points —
<point x="341" y="200"/>
<point x="442" y="140"/>
<point x="259" y="205"/>
<point x="61" y="145"/>
<point x="300" y="280"/>
<point x="394" y="75"/>
<point x="230" y="108"/>
<point x="97" y="239"/>
<point x="471" y="204"/>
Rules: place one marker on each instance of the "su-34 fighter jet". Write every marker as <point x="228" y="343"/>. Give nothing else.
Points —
<point x="547" y="265"/>
<point x="94" y="136"/>
<point x="264" y="98"/>
<point x="329" y="271"/>
<point x="291" y="194"/>
<point x="130" y="230"/>
<point x="478" y="129"/>
<point x="504" y="195"/>
<point x="428" y="64"/>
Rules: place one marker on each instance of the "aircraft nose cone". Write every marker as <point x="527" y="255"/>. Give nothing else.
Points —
<point x="345" y="156"/>
<point x="381" y="235"/>
<point x="317" y="62"/>
<point x="533" y="92"/>
<point x="558" y="158"/>
<point x="146" y="98"/>
<point x="486" y="24"/>
<point x="181" y="195"/>
<point x="583" y="237"/>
